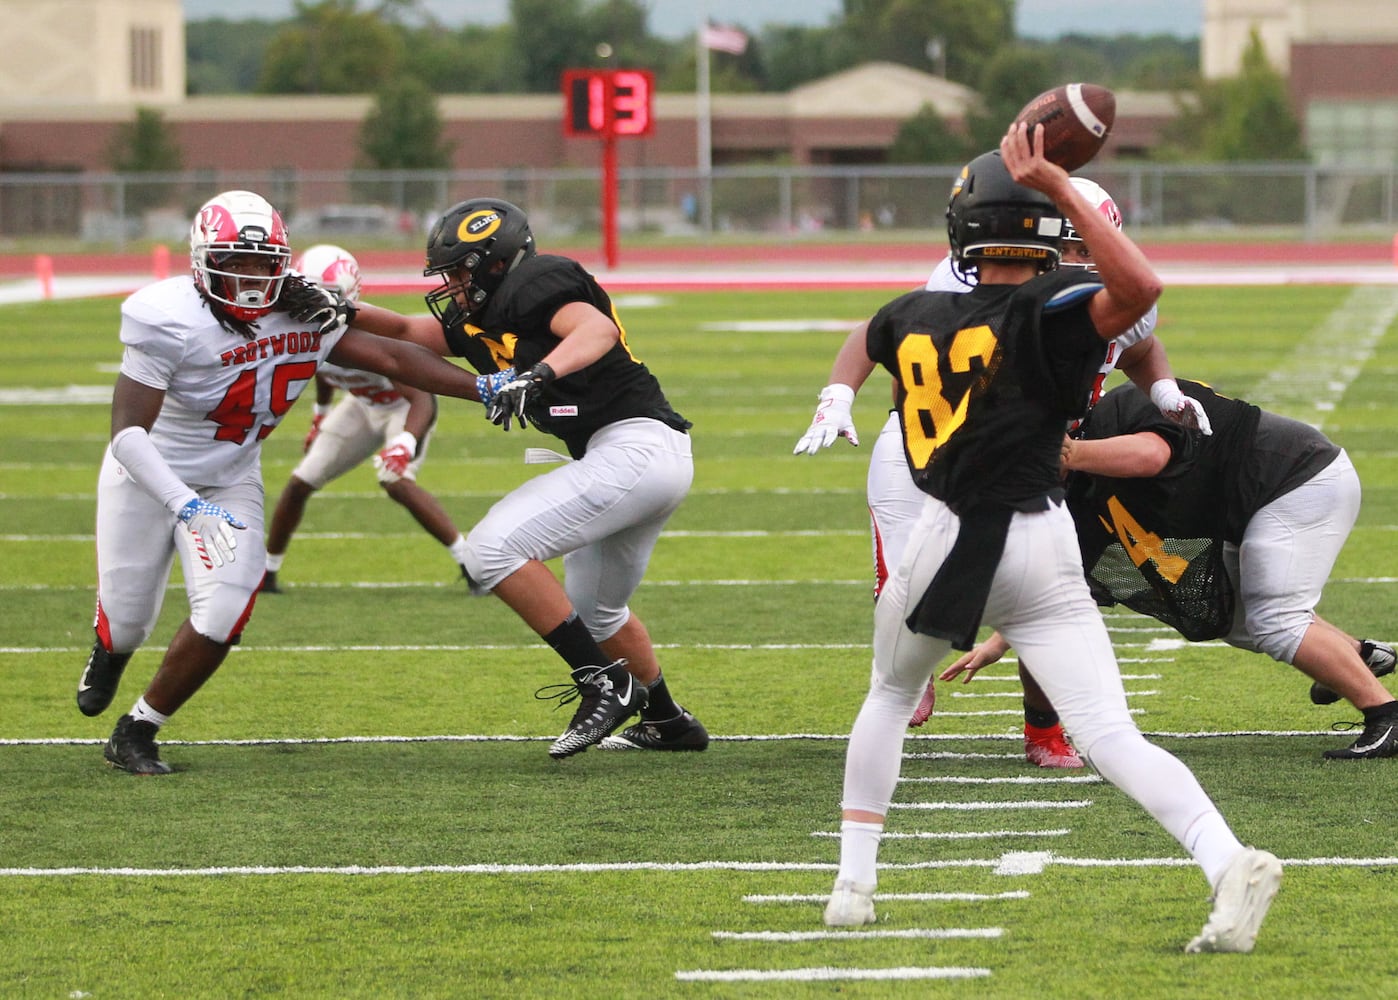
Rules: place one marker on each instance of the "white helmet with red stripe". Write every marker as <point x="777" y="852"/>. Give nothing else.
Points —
<point x="331" y="267"/>
<point x="239" y="225"/>
<point x="1099" y="199"/>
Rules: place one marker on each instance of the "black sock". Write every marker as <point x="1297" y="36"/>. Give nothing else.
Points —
<point x="661" y="705"/>
<point x="575" y="644"/>
<point x="1381" y="713"/>
<point x="1038" y="719"/>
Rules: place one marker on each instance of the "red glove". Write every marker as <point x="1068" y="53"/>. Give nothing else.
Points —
<point x="392" y="462"/>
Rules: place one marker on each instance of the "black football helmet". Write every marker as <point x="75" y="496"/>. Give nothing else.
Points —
<point x="992" y="218"/>
<point x="486" y="237"/>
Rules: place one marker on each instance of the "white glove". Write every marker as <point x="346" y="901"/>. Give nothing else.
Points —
<point x="211" y="528"/>
<point x="394" y="458"/>
<point x="832" y="420"/>
<point x="1175" y="405"/>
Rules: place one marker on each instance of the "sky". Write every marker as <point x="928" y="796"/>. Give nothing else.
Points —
<point x="675" y="18"/>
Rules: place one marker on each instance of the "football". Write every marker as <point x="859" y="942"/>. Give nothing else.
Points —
<point x="1077" y="118"/>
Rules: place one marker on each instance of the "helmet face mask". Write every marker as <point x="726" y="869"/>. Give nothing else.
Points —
<point x="332" y="268"/>
<point x="471" y="248"/>
<point x="239" y="254"/>
<point x="992" y="219"/>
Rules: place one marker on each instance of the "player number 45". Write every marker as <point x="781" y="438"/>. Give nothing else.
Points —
<point x="236" y="414"/>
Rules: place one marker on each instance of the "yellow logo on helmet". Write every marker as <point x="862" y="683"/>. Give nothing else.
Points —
<point x="479" y="225"/>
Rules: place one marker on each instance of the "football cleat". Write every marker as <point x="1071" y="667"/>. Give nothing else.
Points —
<point x="851" y="905"/>
<point x="100" y="678"/>
<point x="1248" y="886"/>
<point x="610" y="695"/>
<point x="1049" y="747"/>
<point x="1379" y="657"/>
<point x="269" y="583"/>
<point x="683" y="732"/>
<point x="132" y="747"/>
<point x="1379" y="739"/>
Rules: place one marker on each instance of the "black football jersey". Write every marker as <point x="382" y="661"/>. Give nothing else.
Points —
<point x="514" y="330"/>
<point x="1213" y="484"/>
<point x="987" y="380"/>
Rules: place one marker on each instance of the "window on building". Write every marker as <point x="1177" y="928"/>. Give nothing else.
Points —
<point x="145" y="59"/>
<point x="1353" y="133"/>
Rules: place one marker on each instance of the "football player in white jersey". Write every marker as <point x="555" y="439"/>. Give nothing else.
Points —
<point x="389" y="420"/>
<point x="212" y="361"/>
<point x="895" y="501"/>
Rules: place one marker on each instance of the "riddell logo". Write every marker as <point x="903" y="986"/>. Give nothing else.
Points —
<point x="563" y="411"/>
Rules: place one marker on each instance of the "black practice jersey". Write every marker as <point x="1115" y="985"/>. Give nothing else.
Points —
<point x="1213" y="484"/>
<point x="514" y="330"/>
<point x="987" y="380"/>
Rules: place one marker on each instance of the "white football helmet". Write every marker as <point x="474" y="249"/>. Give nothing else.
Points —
<point x="331" y="267"/>
<point x="239" y="224"/>
<point x="1099" y="199"/>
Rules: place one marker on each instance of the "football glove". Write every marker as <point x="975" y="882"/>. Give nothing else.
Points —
<point x="211" y="528"/>
<point x="832" y="420"/>
<point x="1175" y="405"/>
<point x="393" y="460"/>
<point x="515" y="396"/>
<point x="327" y="310"/>
<point x="490" y="385"/>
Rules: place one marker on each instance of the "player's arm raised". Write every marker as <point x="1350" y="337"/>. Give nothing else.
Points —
<point x="423" y="330"/>
<point x="1131" y="285"/>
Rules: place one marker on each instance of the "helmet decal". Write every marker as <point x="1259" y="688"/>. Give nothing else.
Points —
<point x="479" y="225"/>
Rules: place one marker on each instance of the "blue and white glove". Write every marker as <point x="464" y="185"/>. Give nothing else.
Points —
<point x="489" y="385"/>
<point x="211" y="528"/>
<point x="832" y="420"/>
<point x="1176" y="406"/>
<point x="514" y="397"/>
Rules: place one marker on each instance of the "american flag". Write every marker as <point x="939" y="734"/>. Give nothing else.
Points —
<point x="724" y="38"/>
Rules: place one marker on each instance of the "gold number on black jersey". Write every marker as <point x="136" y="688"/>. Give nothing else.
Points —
<point x="1142" y="545"/>
<point x="924" y="404"/>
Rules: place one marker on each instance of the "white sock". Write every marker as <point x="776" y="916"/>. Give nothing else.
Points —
<point x="458" y="549"/>
<point x="1168" y="790"/>
<point x="145" y="713"/>
<point x="859" y="852"/>
<point x="1212" y="844"/>
<point x="274" y="562"/>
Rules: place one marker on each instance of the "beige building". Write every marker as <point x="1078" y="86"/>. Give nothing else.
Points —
<point x="92" y="52"/>
<point x="1340" y="59"/>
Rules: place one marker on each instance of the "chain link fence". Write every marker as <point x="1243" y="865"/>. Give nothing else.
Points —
<point x="394" y="208"/>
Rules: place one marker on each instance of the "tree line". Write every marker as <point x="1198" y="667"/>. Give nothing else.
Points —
<point x="395" y="50"/>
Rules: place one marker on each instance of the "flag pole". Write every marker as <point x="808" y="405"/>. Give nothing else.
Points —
<point x="705" y="125"/>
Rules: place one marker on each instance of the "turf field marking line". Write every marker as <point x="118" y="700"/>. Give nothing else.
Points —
<point x="731" y="738"/>
<point x="1019" y="694"/>
<point x="950" y="779"/>
<point x="827" y="974"/>
<point x="914" y="933"/>
<point x="979" y="806"/>
<point x="952" y="835"/>
<point x="908" y="897"/>
<point x="637" y="866"/>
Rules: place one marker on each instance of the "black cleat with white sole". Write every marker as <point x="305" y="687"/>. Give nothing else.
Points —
<point x="683" y="732"/>
<point x="610" y="695"/>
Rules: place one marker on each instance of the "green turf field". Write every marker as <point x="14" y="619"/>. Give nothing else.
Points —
<point x="364" y="805"/>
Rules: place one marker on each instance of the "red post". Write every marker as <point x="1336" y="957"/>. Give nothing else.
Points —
<point x="1395" y="250"/>
<point x="43" y="271"/>
<point x="609" y="185"/>
<point x="160" y="261"/>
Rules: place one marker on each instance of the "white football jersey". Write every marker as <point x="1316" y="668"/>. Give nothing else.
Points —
<point x="223" y="393"/>
<point x="370" y="388"/>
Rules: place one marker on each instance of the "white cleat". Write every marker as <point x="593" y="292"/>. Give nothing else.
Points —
<point x="851" y="905"/>
<point x="1248" y="886"/>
